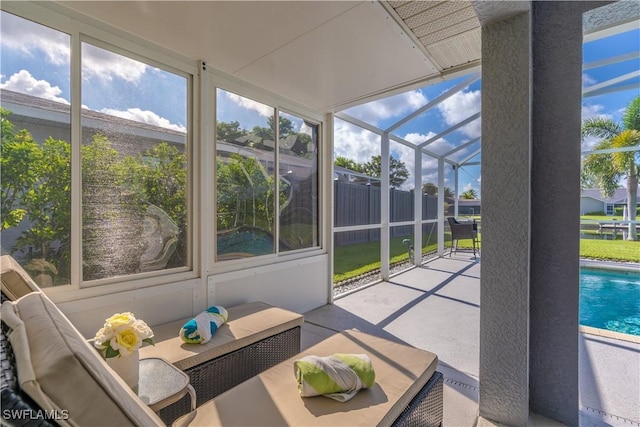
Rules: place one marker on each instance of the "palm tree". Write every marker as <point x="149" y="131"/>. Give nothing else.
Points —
<point x="607" y="169"/>
<point x="469" y="194"/>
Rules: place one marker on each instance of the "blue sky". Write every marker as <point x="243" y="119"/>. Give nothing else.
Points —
<point x="35" y="60"/>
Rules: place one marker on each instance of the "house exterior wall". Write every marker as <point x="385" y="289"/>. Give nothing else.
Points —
<point x="588" y="204"/>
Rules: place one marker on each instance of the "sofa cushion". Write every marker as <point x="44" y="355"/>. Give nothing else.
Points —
<point x="60" y="371"/>
<point x="15" y="281"/>
<point x="247" y="324"/>
<point x="401" y="372"/>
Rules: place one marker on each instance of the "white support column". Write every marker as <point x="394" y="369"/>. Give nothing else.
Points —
<point x="455" y="200"/>
<point x="417" y="208"/>
<point x="327" y="187"/>
<point x="440" y="207"/>
<point x="384" y="206"/>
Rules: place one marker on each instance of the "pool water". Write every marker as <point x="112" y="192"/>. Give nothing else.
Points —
<point x="610" y="299"/>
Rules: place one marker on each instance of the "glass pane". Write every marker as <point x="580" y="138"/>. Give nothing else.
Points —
<point x="245" y="177"/>
<point x="298" y="165"/>
<point x="36" y="154"/>
<point x="401" y="249"/>
<point x="355" y="262"/>
<point x="356" y="176"/>
<point x="134" y="166"/>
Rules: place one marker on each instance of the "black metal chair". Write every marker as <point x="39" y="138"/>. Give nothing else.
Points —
<point x="462" y="231"/>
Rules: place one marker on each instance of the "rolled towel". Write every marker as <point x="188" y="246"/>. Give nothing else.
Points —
<point x="201" y="328"/>
<point x="339" y="376"/>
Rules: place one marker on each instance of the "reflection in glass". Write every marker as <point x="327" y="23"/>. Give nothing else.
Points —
<point x="35" y="222"/>
<point x="245" y="178"/>
<point x="134" y="166"/>
<point x="298" y="165"/>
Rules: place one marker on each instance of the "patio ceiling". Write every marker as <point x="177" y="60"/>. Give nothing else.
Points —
<point x="332" y="55"/>
<point x="323" y="54"/>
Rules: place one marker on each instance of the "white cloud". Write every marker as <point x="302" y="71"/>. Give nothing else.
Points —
<point x="144" y="116"/>
<point x="594" y="110"/>
<point x="105" y="65"/>
<point x="53" y="47"/>
<point x="262" y="109"/>
<point x="354" y="143"/>
<point x="394" y="106"/>
<point x="34" y="40"/>
<point x="460" y="106"/>
<point x="589" y="142"/>
<point x="24" y="82"/>
<point x="587" y="80"/>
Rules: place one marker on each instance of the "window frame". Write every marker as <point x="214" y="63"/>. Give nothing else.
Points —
<point x="83" y="29"/>
<point x="217" y="81"/>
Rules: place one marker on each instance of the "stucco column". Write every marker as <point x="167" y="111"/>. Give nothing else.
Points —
<point x="531" y="103"/>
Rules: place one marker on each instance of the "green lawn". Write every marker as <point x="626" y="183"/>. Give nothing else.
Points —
<point x="614" y="250"/>
<point x="353" y="260"/>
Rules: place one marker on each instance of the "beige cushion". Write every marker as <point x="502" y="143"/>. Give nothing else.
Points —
<point x="15" y="281"/>
<point x="247" y="324"/>
<point x="272" y="399"/>
<point x="60" y="371"/>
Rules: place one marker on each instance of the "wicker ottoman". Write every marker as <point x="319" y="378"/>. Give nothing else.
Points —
<point x="257" y="336"/>
<point x="408" y="391"/>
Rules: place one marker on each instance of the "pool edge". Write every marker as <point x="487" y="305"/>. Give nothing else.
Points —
<point x="610" y="265"/>
<point x="609" y="334"/>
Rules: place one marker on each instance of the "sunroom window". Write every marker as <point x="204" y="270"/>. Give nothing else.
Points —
<point x="251" y="168"/>
<point x="36" y="153"/>
<point x="134" y="166"/>
<point x="127" y="160"/>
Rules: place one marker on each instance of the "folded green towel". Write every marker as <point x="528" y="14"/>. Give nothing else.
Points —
<point x="339" y="376"/>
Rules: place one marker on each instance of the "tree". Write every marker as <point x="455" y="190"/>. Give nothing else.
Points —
<point x="36" y="194"/>
<point x="469" y="194"/>
<point x="431" y="189"/>
<point x="346" y="163"/>
<point x="607" y="169"/>
<point x="229" y="131"/>
<point x="398" y="172"/>
<point x="19" y="152"/>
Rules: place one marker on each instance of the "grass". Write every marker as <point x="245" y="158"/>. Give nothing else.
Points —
<point x="353" y="260"/>
<point x="601" y="218"/>
<point x="612" y="250"/>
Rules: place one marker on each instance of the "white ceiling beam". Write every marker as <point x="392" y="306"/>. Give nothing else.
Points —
<point x="449" y="130"/>
<point x="611" y="150"/>
<point x="612" y="60"/>
<point x="465" y="145"/>
<point x="457" y="88"/>
<point x="469" y="157"/>
<point x="607" y="85"/>
<point x="357" y="122"/>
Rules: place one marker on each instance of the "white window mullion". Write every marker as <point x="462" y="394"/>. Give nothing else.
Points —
<point x="276" y="176"/>
<point x="76" y="160"/>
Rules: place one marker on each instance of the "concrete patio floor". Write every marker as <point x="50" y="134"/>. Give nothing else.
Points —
<point x="437" y="307"/>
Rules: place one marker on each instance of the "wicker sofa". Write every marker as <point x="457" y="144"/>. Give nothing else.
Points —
<point x="49" y="369"/>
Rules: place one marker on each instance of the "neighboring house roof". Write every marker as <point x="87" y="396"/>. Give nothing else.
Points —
<point x="618" y="197"/>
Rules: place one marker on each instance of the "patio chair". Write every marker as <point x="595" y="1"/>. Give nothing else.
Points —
<point x="462" y="231"/>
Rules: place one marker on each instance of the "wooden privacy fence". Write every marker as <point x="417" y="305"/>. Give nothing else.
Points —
<point x="357" y="204"/>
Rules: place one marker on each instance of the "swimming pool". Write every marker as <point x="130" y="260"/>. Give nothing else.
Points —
<point x="610" y="299"/>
